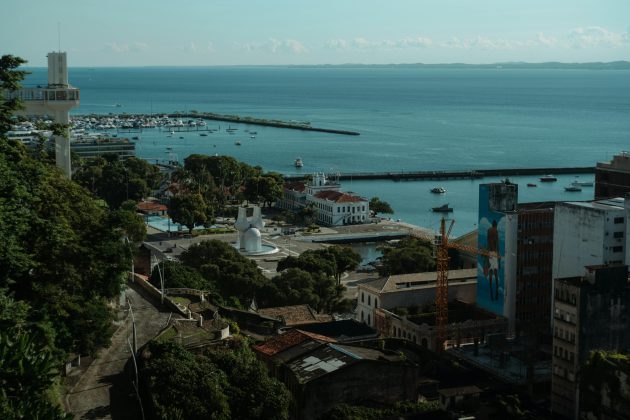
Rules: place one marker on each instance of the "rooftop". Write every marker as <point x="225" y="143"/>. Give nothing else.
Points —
<point x="148" y="206"/>
<point x="287" y="340"/>
<point x="339" y="197"/>
<point x="603" y="205"/>
<point x="340" y="330"/>
<point x="294" y="315"/>
<point x="398" y="282"/>
<point x="457" y="312"/>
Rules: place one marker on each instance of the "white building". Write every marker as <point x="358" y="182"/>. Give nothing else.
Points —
<point x="334" y="207"/>
<point x="416" y="289"/>
<point x="588" y="234"/>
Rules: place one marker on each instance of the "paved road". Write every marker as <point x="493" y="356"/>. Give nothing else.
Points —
<point x="104" y="390"/>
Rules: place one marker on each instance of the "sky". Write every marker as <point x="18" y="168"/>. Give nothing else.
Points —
<point x="275" y="32"/>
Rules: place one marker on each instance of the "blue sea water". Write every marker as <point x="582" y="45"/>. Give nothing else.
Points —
<point x="409" y="119"/>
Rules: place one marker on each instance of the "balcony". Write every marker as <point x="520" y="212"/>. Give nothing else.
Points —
<point x="46" y="95"/>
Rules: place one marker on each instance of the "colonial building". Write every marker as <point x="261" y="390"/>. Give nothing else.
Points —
<point x="333" y="207"/>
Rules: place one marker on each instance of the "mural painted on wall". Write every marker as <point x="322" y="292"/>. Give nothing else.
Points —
<point x="490" y="268"/>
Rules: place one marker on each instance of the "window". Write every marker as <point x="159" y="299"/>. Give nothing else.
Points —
<point x="362" y="297"/>
<point x="617" y="235"/>
<point x="369" y="300"/>
<point x="369" y="323"/>
<point x="617" y="248"/>
<point x="618" y="220"/>
<point x="375" y="302"/>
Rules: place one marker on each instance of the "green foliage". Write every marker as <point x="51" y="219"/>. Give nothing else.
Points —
<point x="401" y="409"/>
<point x="221" y="264"/>
<point x="115" y="180"/>
<point x="332" y="261"/>
<point x="10" y="79"/>
<point x="410" y="255"/>
<point x="220" y="383"/>
<point x="378" y="206"/>
<point x="601" y="374"/>
<point x="266" y="188"/>
<point x="188" y="209"/>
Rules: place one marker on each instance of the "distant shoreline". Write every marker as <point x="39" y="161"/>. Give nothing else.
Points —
<point x="551" y="65"/>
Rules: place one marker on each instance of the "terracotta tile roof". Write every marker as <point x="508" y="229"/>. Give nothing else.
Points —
<point x="339" y="197"/>
<point x="292" y="315"/>
<point x="287" y="340"/>
<point x="146" y="206"/>
<point x="295" y="186"/>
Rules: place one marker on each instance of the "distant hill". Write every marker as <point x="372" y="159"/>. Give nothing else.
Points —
<point x="613" y="65"/>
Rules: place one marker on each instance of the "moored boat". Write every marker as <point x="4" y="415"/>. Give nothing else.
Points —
<point x="438" y="190"/>
<point x="531" y="185"/>
<point x="298" y="163"/>
<point x="548" y="178"/>
<point x="572" y="188"/>
<point x="442" y="209"/>
<point x="582" y="184"/>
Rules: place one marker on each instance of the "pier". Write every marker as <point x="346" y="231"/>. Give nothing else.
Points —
<point x="481" y="173"/>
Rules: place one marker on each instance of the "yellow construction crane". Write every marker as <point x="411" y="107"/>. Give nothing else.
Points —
<point x="442" y="245"/>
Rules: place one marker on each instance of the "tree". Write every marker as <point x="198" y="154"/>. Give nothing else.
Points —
<point x="410" y="255"/>
<point x="345" y="259"/>
<point x="10" y="79"/>
<point x="221" y="264"/>
<point x="188" y="209"/>
<point x="378" y="206"/>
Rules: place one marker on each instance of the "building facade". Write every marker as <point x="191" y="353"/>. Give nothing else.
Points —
<point x="406" y="290"/>
<point x="612" y="179"/>
<point x="590" y="312"/>
<point x="332" y="206"/>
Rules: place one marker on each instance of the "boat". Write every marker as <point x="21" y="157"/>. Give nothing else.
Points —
<point x="252" y="137"/>
<point x="238" y="143"/>
<point x="253" y="132"/>
<point x="203" y="134"/>
<point x="531" y="185"/>
<point x="582" y="184"/>
<point x="442" y="209"/>
<point x="298" y="163"/>
<point x="572" y="188"/>
<point x="181" y="137"/>
<point x="438" y="190"/>
<point x="135" y="138"/>
<point x="548" y="178"/>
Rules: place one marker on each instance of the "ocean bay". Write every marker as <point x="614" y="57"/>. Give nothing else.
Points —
<point x="409" y="119"/>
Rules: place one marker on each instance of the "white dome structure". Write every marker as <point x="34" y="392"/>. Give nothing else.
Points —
<point x="252" y="240"/>
<point x="249" y="237"/>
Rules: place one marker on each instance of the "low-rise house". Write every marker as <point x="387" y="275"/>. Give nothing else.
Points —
<point x="151" y="208"/>
<point x="291" y="316"/>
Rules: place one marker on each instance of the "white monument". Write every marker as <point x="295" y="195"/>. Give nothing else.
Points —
<point x="249" y="240"/>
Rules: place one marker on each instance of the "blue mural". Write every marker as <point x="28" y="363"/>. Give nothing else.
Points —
<point x="490" y="268"/>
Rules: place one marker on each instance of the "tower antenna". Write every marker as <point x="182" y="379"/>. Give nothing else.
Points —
<point x="59" y="35"/>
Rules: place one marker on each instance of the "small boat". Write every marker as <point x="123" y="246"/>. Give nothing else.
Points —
<point x="438" y="190"/>
<point x="252" y="137"/>
<point x="118" y="106"/>
<point x="238" y="143"/>
<point x="181" y="137"/>
<point x="442" y="209"/>
<point x="548" y="178"/>
<point x="253" y="132"/>
<point x="572" y="188"/>
<point x="135" y="138"/>
<point x="203" y="134"/>
<point x="298" y="163"/>
<point x="582" y="184"/>
<point x="172" y="132"/>
<point x="531" y="185"/>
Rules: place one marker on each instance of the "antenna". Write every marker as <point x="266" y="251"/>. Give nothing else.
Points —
<point x="59" y="35"/>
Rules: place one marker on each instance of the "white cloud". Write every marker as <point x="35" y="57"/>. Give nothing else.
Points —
<point x="549" y="41"/>
<point x="125" y="47"/>
<point x="197" y="48"/>
<point x="275" y="46"/>
<point x="594" y="36"/>
<point x="361" y="43"/>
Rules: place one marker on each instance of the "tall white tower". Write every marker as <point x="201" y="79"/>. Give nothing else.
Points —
<point x="55" y="100"/>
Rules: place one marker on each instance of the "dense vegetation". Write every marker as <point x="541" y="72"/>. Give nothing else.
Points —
<point x="235" y="280"/>
<point x="410" y="255"/>
<point x="219" y="383"/>
<point x="63" y="258"/>
<point x="379" y="206"/>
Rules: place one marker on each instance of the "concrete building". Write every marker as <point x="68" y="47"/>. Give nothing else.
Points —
<point x="590" y="312"/>
<point x="55" y="100"/>
<point x="612" y="179"/>
<point x="333" y="207"/>
<point x="405" y="290"/>
<point x="467" y="324"/>
<point x="88" y="148"/>
<point x="588" y="233"/>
